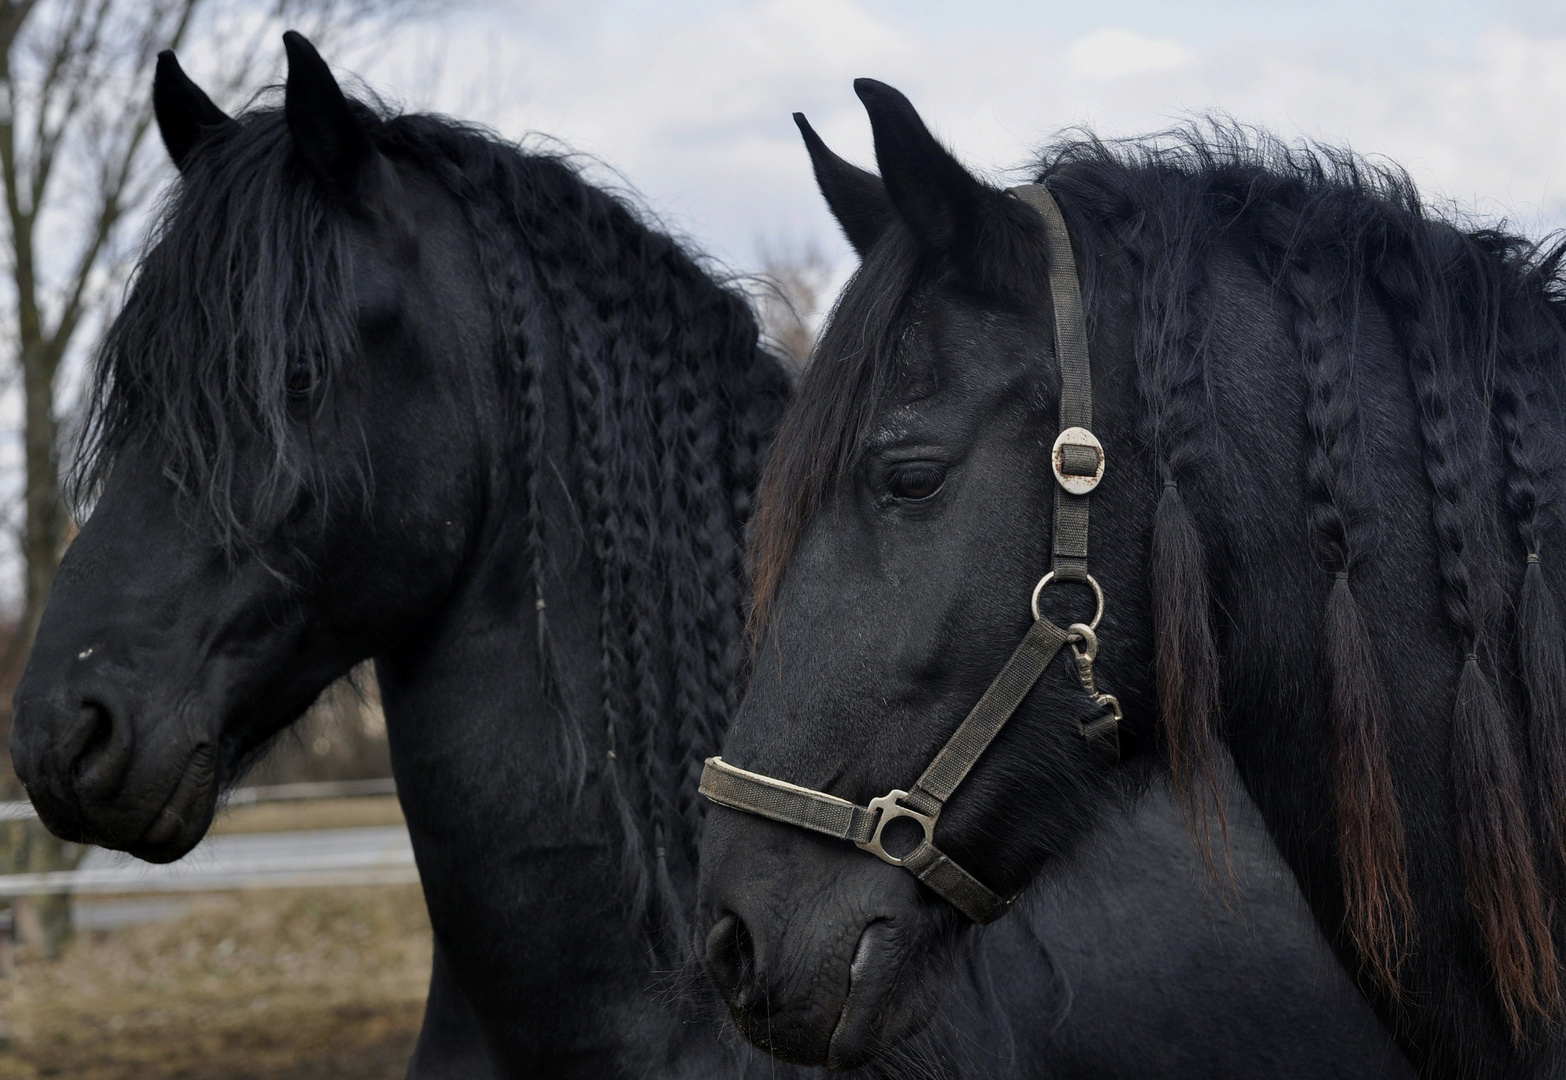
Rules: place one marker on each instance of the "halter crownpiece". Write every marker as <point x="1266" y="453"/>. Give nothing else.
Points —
<point x="1077" y="461"/>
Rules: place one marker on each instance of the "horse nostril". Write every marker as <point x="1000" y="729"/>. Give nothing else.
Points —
<point x="101" y="745"/>
<point x="731" y="960"/>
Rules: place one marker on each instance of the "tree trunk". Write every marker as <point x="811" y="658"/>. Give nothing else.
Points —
<point x="43" y="922"/>
<point x="44" y="532"/>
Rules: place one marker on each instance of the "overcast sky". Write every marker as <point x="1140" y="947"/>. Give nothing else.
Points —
<point x="690" y="100"/>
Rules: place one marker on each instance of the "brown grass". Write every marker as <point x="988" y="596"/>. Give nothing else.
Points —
<point x="305" y="984"/>
<point x="310" y="814"/>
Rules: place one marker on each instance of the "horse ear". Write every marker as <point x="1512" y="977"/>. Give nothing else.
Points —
<point x="184" y="111"/>
<point x="329" y="139"/>
<point x="856" y="197"/>
<point x="934" y="195"/>
<point x="974" y="226"/>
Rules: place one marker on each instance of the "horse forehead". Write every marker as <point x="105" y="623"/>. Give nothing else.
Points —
<point x="377" y="279"/>
<point x="972" y="333"/>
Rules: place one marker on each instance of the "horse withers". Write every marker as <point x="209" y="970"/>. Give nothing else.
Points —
<point x="1319" y="432"/>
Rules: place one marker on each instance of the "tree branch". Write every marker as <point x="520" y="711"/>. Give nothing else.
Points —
<point x="21" y="223"/>
<point x="78" y="74"/>
<point x="116" y="178"/>
<point x="13" y="13"/>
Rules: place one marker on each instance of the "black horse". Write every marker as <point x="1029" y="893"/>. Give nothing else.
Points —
<point x="390" y="387"/>
<point x="1333" y="427"/>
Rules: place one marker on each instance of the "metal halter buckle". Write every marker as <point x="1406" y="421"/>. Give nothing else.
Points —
<point x="891" y="808"/>
<point x="1075" y="481"/>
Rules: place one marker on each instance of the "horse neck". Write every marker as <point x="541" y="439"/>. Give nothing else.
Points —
<point x="537" y="785"/>
<point x="517" y="845"/>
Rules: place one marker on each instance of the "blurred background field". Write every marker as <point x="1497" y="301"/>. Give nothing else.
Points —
<point x="258" y="984"/>
<point x="317" y="984"/>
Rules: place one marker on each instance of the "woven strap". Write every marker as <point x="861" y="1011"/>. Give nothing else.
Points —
<point x="955" y="885"/>
<point x="791" y="804"/>
<point x="1069" y="552"/>
<point x="1038" y="648"/>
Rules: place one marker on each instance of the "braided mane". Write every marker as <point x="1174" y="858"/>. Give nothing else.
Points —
<point x="670" y="403"/>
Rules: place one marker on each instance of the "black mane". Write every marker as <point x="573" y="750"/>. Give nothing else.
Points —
<point x="247" y="287"/>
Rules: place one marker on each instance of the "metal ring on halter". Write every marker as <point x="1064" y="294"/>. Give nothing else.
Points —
<point x="1098" y="595"/>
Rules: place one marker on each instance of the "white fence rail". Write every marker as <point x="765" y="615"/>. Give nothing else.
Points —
<point x="22" y="810"/>
<point x="380" y="855"/>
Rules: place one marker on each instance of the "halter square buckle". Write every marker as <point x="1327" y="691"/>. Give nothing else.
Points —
<point x="889" y="807"/>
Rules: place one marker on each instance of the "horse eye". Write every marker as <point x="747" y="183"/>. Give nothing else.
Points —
<point x="916" y="482"/>
<point x="299" y="379"/>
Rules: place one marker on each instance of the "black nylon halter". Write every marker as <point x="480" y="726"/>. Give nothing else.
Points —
<point x="1077" y="460"/>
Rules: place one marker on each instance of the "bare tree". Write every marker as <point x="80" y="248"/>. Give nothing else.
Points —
<point x="77" y="166"/>
<point x="789" y="297"/>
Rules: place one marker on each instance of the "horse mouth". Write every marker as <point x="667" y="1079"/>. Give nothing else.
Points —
<point x="182" y="820"/>
<point x="872" y="978"/>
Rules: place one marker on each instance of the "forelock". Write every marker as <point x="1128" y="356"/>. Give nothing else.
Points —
<point x="247" y="269"/>
<point x="854" y="366"/>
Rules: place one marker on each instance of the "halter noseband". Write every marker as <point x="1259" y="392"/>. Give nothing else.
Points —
<point x="1077" y="460"/>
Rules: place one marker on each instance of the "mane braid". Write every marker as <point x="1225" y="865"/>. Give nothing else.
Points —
<point x="1170" y="354"/>
<point x="1534" y="343"/>
<point x="1324" y="285"/>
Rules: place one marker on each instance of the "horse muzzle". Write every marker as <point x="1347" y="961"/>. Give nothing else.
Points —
<point x="815" y="969"/>
<point x="93" y="778"/>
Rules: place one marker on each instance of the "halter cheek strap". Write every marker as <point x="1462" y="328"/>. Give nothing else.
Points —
<point x="1077" y="460"/>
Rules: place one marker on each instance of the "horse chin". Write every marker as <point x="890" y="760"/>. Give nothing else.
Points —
<point x="185" y="815"/>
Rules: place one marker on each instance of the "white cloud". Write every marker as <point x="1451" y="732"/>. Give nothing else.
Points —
<point x="1114" y="52"/>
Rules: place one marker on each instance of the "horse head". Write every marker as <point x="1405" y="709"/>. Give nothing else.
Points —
<point x="283" y="453"/>
<point x="903" y="524"/>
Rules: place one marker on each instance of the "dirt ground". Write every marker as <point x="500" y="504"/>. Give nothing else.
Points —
<point x="308" y="984"/>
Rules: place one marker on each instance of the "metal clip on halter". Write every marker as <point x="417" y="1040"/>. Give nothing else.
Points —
<point x="889" y="808"/>
<point x="1077" y="460"/>
<point x="1103" y="734"/>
